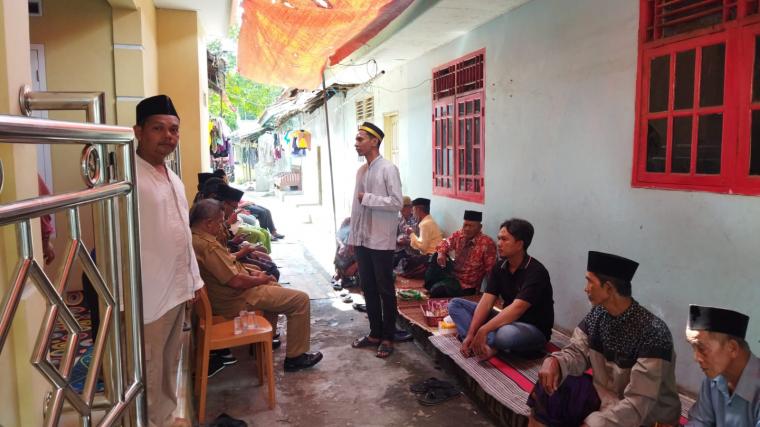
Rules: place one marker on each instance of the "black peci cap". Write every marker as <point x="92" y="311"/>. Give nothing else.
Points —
<point x="716" y="319"/>
<point x="421" y="201"/>
<point x="473" y="216"/>
<point x="225" y="193"/>
<point x="372" y="130"/>
<point x="611" y="265"/>
<point x="159" y="104"/>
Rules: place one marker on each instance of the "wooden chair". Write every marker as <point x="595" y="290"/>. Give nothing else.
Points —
<point x="214" y="332"/>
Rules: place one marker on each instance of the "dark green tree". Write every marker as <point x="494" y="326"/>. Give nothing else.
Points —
<point x="248" y="98"/>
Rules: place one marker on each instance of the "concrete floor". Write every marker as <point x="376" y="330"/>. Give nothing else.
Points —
<point x="350" y="387"/>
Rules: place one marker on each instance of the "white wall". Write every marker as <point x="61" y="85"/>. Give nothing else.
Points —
<point x="560" y="86"/>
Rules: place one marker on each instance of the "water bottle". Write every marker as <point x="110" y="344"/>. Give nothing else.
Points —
<point x="250" y="320"/>
<point x="237" y="326"/>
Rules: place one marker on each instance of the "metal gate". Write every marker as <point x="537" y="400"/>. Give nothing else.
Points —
<point x="108" y="168"/>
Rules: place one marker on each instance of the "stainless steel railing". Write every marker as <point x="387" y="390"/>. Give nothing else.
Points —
<point x="108" y="168"/>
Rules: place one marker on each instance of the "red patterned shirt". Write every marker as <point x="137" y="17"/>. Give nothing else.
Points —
<point x="473" y="258"/>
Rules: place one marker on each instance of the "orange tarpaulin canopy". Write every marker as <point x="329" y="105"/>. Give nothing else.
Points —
<point x="288" y="43"/>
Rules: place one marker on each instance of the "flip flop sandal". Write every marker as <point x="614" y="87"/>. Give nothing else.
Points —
<point x="337" y="286"/>
<point x="423" y="387"/>
<point x="437" y="396"/>
<point x="347" y="299"/>
<point x="384" y="350"/>
<point x="344" y="292"/>
<point x="364" y="342"/>
<point x="360" y="307"/>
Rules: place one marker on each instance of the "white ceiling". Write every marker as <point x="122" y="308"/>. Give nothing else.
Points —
<point x="443" y="22"/>
<point x="214" y="14"/>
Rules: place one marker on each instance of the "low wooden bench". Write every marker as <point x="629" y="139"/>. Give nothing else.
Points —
<point x="500" y="385"/>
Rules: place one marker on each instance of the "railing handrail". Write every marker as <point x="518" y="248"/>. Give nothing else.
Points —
<point x="29" y="130"/>
<point x="43" y="205"/>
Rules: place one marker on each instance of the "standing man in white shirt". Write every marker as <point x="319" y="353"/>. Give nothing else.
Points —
<point x="170" y="274"/>
<point x="374" y="222"/>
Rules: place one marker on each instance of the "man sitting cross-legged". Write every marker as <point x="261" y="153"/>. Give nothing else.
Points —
<point x="422" y="243"/>
<point x="525" y="323"/>
<point x="630" y="351"/>
<point x="233" y="287"/>
<point x="474" y="255"/>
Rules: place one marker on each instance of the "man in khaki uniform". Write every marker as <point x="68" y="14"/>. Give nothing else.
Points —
<point x="233" y="286"/>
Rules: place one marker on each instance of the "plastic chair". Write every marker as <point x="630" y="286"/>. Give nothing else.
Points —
<point x="214" y="332"/>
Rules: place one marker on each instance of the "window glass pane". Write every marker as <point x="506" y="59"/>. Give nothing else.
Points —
<point x="461" y="108"/>
<point x="444" y="134"/>
<point x="756" y="73"/>
<point x="438" y="165"/>
<point x="468" y="146"/>
<point x="680" y="161"/>
<point x="461" y="184"/>
<point x="477" y="185"/>
<point x="656" y="142"/>
<point x="658" y="83"/>
<point x="468" y="107"/>
<point x="709" y="140"/>
<point x="448" y="109"/>
<point x="711" y="84"/>
<point x="450" y="134"/>
<point x="460" y="134"/>
<point x="754" y="150"/>
<point x="684" y="96"/>
<point x="476" y="158"/>
<point x="477" y="106"/>
<point x="461" y="161"/>
<point x="476" y="132"/>
<point x="437" y="133"/>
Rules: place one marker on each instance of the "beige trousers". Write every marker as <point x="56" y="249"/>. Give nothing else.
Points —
<point x="273" y="299"/>
<point x="162" y="349"/>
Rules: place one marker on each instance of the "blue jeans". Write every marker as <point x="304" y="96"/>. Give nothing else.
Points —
<point x="516" y="336"/>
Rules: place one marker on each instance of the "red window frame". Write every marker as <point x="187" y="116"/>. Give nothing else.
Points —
<point x="458" y="122"/>
<point x="739" y="31"/>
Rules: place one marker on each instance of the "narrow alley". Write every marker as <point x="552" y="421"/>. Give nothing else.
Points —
<point x="350" y="387"/>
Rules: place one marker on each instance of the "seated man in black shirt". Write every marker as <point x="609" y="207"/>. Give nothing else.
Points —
<point x="525" y="323"/>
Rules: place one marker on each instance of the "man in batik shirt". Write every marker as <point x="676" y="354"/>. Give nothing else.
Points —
<point x="473" y="254"/>
<point x="630" y="351"/>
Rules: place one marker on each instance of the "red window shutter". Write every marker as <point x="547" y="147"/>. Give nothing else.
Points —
<point x="459" y="128"/>
<point x="698" y="96"/>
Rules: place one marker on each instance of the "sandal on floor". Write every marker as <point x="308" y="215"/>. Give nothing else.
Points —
<point x="347" y="299"/>
<point x="437" y="396"/>
<point x="384" y="350"/>
<point x="364" y="342"/>
<point x="423" y="387"/>
<point x="360" y="307"/>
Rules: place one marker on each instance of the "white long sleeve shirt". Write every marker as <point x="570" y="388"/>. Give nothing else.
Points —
<point x="170" y="274"/>
<point x="374" y="220"/>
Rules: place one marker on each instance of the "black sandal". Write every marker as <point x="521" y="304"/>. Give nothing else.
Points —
<point x="437" y="396"/>
<point x="384" y="350"/>
<point x="423" y="387"/>
<point x="364" y="341"/>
